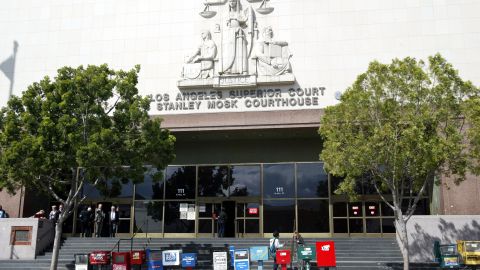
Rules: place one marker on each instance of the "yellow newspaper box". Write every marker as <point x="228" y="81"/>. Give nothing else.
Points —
<point x="469" y="251"/>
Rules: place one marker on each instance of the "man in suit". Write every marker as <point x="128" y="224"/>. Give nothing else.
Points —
<point x="113" y="219"/>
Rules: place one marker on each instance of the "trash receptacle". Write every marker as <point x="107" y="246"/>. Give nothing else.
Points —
<point x="446" y="255"/>
<point x="137" y="259"/>
<point x="81" y="262"/>
<point x="469" y="252"/>
<point x="121" y="261"/>
<point x="306" y="254"/>
<point x="99" y="260"/>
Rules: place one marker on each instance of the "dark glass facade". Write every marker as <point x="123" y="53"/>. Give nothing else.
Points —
<point x="259" y="199"/>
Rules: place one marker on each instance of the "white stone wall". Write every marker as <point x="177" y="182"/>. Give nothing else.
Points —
<point x="423" y="231"/>
<point x="332" y="41"/>
<point x="43" y="233"/>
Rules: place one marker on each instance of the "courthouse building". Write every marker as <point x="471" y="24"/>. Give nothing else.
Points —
<point x="242" y="85"/>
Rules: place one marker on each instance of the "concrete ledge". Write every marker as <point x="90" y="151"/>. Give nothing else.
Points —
<point x="41" y="236"/>
<point x="423" y="231"/>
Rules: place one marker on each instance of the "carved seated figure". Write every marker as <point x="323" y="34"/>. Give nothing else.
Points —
<point x="201" y="64"/>
<point x="272" y="57"/>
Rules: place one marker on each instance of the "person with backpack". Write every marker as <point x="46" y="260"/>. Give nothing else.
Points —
<point x="273" y="246"/>
<point x="3" y="213"/>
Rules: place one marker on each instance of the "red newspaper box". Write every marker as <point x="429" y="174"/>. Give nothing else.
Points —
<point x="283" y="258"/>
<point x="326" y="254"/>
<point x="137" y="257"/>
<point x="99" y="259"/>
<point x="121" y="261"/>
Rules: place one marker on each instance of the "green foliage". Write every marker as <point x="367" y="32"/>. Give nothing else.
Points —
<point x="90" y="118"/>
<point x="402" y="123"/>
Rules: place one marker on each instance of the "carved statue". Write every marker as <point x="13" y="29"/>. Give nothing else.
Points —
<point x="242" y="58"/>
<point x="273" y="57"/>
<point x="205" y="55"/>
<point x="234" y="40"/>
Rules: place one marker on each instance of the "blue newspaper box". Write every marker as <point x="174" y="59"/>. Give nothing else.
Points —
<point x="154" y="259"/>
<point x="189" y="260"/>
<point x="259" y="254"/>
<point x="231" y="249"/>
<point x="241" y="259"/>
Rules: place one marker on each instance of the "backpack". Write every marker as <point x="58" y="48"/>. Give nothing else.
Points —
<point x="272" y="250"/>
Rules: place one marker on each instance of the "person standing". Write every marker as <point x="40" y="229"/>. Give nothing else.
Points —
<point x="113" y="219"/>
<point x="84" y="221"/>
<point x="222" y="219"/>
<point x="3" y="213"/>
<point x="274" y="245"/>
<point x="98" y="220"/>
<point x="53" y="215"/>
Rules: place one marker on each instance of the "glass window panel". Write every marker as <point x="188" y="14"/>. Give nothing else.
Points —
<point x="340" y="225"/>
<point x="313" y="216"/>
<point x="213" y="181"/>
<point x="423" y="207"/>
<point x="278" y="181"/>
<point x="371" y="209"/>
<point x="205" y="210"/>
<point x="240" y="210"/>
<point x="312" y="180"/>
<point x="252" y="226"/>
<point x="373" y="225"/>
<point x="22" y="235"/>
<point x="386" y="210"/>
<point x="340" y="209"/>
<point x="388" y="225"/>
<point x="253" y="210"/>
<point x="148" y="217"/>
<point x="240" y="226"/>
<point x="365" y="185"/>
<point x="112" y="188"/>
<point x="245" y="180"/>
<point x="180" y="182"/>
<point x="356" y="225"/>
<point x="124" y="210"/>
<point x="278" y="216"/>
<point x="205" y="226"/>
<point x="124" y="226"/>
<point x="150" y="188"/>
<point x="174" y="222"/>
<point x="355" y="209"/>
<point x="335" y="182"/>
<point x="68" y="225"/>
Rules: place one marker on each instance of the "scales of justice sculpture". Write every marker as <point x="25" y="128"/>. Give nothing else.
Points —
<point x="237" y="51"/>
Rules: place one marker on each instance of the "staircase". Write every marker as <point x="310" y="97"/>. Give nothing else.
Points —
<point x="351" y="253"/>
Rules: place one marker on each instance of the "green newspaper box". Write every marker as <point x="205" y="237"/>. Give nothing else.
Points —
<point x="306" y="253"/>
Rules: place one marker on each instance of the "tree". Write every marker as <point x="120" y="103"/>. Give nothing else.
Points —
<point x="85" y="125"/>
<point x="402" y="125"/>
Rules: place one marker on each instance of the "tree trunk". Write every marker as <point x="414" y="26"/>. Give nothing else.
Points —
<point x="402" y="241"/>
<point x="56" y="244"/>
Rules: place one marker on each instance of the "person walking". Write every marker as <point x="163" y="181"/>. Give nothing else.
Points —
<point x="98" y="220"/>
<point x="113" y="219"/>
<point x="222" y="219"/>
<point x="274" y="245"/>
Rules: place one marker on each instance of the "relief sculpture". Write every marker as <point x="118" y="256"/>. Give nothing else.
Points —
<point x="236" y="55"/>
<point x="201" y="63"/>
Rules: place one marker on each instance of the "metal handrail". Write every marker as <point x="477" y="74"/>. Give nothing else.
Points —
<point x="117" y="245"/>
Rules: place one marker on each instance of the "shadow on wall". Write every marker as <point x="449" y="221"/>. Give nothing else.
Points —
<point x="421" y="240"/>
<point x="8" y="67"/>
